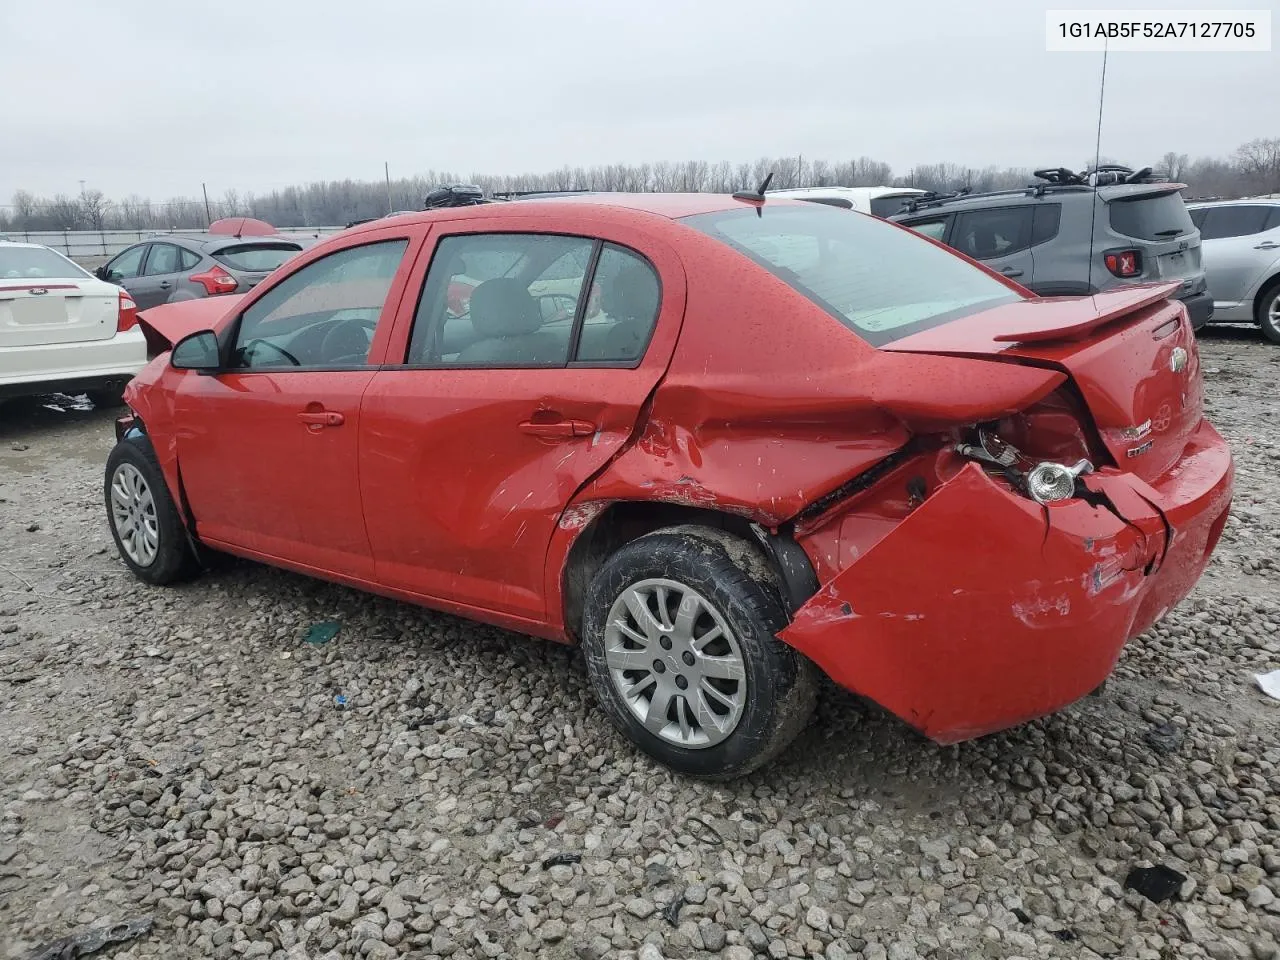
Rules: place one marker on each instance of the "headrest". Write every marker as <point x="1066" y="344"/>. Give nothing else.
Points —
<point x="502" y="307"/>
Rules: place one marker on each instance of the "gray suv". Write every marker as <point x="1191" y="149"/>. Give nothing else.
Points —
<point x="172" y="267"/>
<point x="1040" y="236"/>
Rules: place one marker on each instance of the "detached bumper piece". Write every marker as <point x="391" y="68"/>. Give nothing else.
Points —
<point x="982" y="609"/>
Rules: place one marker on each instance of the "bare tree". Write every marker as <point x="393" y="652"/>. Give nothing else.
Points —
<point x="95" y="208"/>
<point x="1259" y="161"/>
<point x="65" y="213"/>
<point x="1173" y="165"/>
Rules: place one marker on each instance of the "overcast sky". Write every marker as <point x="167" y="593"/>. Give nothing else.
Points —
<point x="152" y="98"/>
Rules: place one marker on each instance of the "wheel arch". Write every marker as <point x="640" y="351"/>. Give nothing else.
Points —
<point x="611" y="526"/>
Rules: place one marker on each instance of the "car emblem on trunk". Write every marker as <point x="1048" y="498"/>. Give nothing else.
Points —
<point x="1178" y="360"/>
<point x="38" y="291"/>
<point x="1138" y="432"/>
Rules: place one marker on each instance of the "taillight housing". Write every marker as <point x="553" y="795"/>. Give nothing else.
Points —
<point x="1123" y="263"/>
<point x="127" y="318"/>
<point x="215" y="280"/>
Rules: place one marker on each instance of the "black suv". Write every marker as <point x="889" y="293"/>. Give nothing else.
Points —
<point x="1075" y="234"/>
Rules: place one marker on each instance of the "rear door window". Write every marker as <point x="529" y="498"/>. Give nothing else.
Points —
<point x="1151" y="217"/>
<point x="880" y="282"/>
<point x="1045" y="223"/>
<point x="987" y="234"/>
<point x="255" y="257"/>
<point x="1221" y="223"/>
<point x="163" y="259"/>
<point x="621" y="309"/>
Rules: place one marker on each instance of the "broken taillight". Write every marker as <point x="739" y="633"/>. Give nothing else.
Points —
<point x="1123" y="263"/>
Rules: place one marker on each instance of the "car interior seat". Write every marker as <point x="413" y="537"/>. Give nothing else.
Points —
<point x="506" y="318"/>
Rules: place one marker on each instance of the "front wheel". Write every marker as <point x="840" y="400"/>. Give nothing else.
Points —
<point x="1269" y="314"/>
<point x="145" y="524"/>
<point x="679" y="637"/>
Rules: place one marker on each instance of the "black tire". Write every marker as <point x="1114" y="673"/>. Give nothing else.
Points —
<point x="732" y="575"/>
<point x="107" y="398"/>
<point x="173" y="558"/>
<point x="1268" y="312"/>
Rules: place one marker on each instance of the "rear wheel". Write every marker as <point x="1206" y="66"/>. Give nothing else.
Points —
<point x="145" y="524"/>
<point x="679" y="636"/>
<point x="1269" y="312"/>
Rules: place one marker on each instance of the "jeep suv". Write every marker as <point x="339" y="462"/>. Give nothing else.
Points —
<point x="1075" y="234"/>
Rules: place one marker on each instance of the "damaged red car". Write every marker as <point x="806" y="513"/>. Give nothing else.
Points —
<point x="722" y="443"/>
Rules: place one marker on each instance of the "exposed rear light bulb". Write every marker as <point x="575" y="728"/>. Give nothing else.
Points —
<point x="1050" y="482"/>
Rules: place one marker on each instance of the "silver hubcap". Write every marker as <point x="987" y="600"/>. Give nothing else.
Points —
<point x="133" y="513"/>
<point x="1273" y="312"/>
<point x="675" y="663"/>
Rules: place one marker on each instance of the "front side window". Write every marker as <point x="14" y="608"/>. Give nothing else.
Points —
<point x="323" y="315"/>
<point x="164" y="258"/>
<point x="500" y="300"/>
<point x="128" y="265"/>
<point x="933" y="229"/>
<point x="881" y="282"/>
<point x="988" y="234"/>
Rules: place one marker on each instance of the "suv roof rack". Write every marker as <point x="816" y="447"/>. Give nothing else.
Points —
<point x="528" y="194"/>
<point x="932" y="198"/>
<point x="454" y="195"/>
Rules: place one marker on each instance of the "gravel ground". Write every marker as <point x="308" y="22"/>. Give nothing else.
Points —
<point x="183" y="753"/>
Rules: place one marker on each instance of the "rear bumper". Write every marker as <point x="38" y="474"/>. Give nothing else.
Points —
<point x="60" y="367"/>
<point x="982" y="610"/>
<point x="1200" y="307"/>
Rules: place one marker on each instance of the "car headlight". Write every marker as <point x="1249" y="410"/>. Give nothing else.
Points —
<point x="1049" y="482"/>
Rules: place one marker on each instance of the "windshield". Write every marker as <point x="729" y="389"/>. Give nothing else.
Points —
<point x="36" y="263"/>
<point x="879" y="280"/>
<point x="1159" y="217"/>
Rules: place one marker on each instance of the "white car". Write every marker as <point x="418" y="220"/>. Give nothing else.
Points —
<point x="62" y="330"/>
<point x="878" y="201"/>
<point x="1240" y="248"/>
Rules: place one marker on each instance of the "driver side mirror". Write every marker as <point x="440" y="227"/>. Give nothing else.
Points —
<point x="102" y="273"/>
<point x="197" y="351"/>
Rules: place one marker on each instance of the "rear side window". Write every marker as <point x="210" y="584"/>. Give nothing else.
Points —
<point x="880" y="282"/>
<point x="189" y="259"/>
<point x="163" y="259"/>
<point x="500" y="300"/>
<point x="1159" y="217"/>
<point x="621" y="308"/>
<point x="987" y="234"/>
<point x="256" y="257"/>
<point x="1045" y="223"/>
<point x="36" y="263"/>
<point x="1220" y="223"/>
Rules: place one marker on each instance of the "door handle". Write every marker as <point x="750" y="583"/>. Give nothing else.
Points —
<point x="558" y="429"/>
<point x="323" y="418"/>
<point x="1267" y="245"/>
<point x="1011" y="272"/>
<point x="165" y="284"/>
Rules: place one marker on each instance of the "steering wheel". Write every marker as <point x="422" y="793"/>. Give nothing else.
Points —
<point x="347" y="339"/>
<point x="260" y="342"/>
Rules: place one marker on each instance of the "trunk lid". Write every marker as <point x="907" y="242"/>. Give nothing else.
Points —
<point x="1130" y="352"/>
<point x="57" y="310"/>
<point x="1153" y="219"/>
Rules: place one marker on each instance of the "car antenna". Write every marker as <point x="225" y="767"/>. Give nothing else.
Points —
<point x="755" y="196"/>
<point x="1097" y="162"/>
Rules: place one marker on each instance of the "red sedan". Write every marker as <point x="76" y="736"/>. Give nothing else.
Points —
<point x="783" y="438"/>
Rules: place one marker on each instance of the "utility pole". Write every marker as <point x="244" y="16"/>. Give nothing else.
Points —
<point x="207" y="215"/>
<point x="386" y="169"/>
<point x="82" y="183"/>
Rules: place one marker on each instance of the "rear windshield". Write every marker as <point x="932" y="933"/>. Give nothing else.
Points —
<point x="887" y="206"/>
<point x="879" y="280"/>
<point x="257" y="257"/>
<point x="1151" y="218"/>
<point x="36" y="263"/>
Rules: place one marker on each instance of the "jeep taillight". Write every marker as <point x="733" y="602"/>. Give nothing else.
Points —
<point x="215" y="280"/>
<point x="127" y="318"/>
<point x="1124" y="263"/>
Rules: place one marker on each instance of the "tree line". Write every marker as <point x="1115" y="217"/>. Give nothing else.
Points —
<point x="1253" y="168"/>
